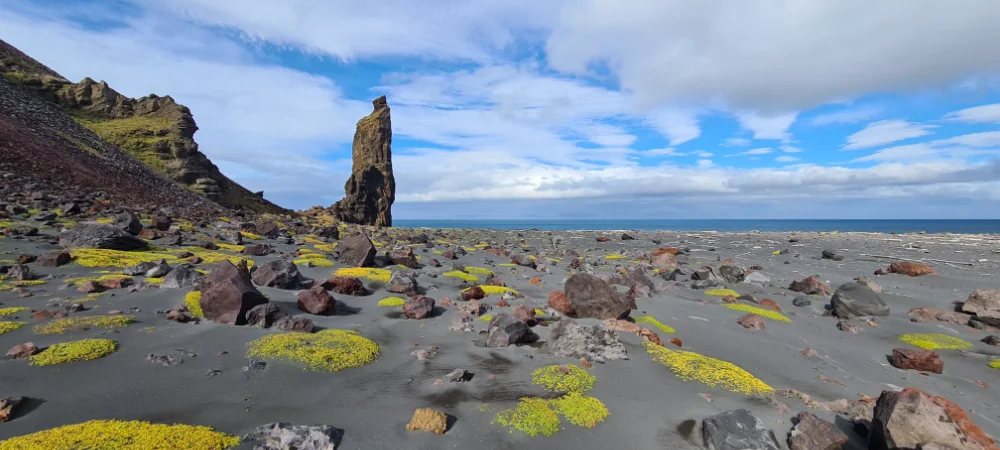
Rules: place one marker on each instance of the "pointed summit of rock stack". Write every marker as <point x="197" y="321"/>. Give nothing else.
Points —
<point x="371" y="189"/>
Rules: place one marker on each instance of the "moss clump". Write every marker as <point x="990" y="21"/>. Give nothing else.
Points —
<point x="581" y="410"/>
<point x="326" y="247"/>
<point x="720" y="292"/>
<point x="486" y="317"/>
<point x="995" y="364"/>
<point x="23" y="283"/>
<point x="147" y="138"/>
<point x="82" y="350"/>
<point x="935" y="341"/>
<point x="381" y="275"/>
<point x="4" y="312"/>
<point x="66" y="324"/>
<point x="461" y="276"/>
<point x="478" y="271"/>
<point x="7" y="327"/>
<point x="763" y="312"/>
<point x="656" y="323"/>
<point x="249" y="235"/>
<point x="691" y="366"/>
<point x="193" y="303"/>
<point x="231" y="247"/>
<point x="326" y="350"/>
<point x="90" y="257"/>
<point x="615" y="257"/>
<point x="507" y="265"/>
<point x="532" y="416"/>
<point x="490" y="289"/>
<point x="391" y="302"/>
<point x="567" y="378"/>
<point x="316" y="259"/>
<point x="123" y="435"/>
<point x="99" y="278"/>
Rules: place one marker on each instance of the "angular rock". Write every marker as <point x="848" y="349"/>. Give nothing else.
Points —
<point x="161" y="222"/>
<point x="279" y="273"/>
<point x="20" y="272"/>
<point x="854" y="300"/>
<point x="299" y="324"/>
<point x="263" y="316"/>
<point x="595" y="343"/>
<point x="559" y="302"/>
<point x="100" y="236"/>
<point x="403" y="283"/>
<point x="24" y="350"/>
<point x="182" y="277"/>
<point x="505" y="330"/>
<point x="7" y="406"/>
<point x="54" y="259"/>
<point x="346" y="286"/>
<point x="751" y="321"/>
<point x="371" y="189"/>
<point x="732" y="273"/>
<point x="268" y="229"/>
<point x="159" y="270"/>
<point x="357" y="251"/>
<point x="227" y="293"/>
<point x="316" y="301"/>
<point x="523" y="260"/>
<point x="473" y="293"/>
<point x="418" y="307"/>
<point x="129" y="223"/>
<point x="985" y="304"/>
<point x="590" y="296"/>
<point x="525" y="314"/>
<point x="404" y="257"/>
<point x="801" y="301"/>
<point x="256" y="249"/>
<point x="286" y="436"/>
<point x="910" y="418"/>
<point x="812" y="433"/>
<point x="736" y="430"/>
<point x="992" y="340"/>
<point x="757" y="278"/>
<point x="910" y="359"/>
<point x="911" y="268"/>
<point x="810" y="285"/>
<point x="833" y="255"/>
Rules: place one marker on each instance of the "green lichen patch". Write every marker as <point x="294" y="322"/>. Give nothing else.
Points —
<point x="532" y="416"/>
<point x="4" y="312"/>
<point x="23" y="283"/>
<point x="656" y="323"/>
<point x="91" y="257"/>
<point x="123" y="435"/>
<point x="193" y="303"/>
<point x="995" y="364"/>
<point x="82" y="350"/>
<point x="763" y="312"/>
<point x="326" y="350"/>
<point x="391" y="302"/>
<point x="581" y="410"/>
<point x="67" y="324"/>
<point x="461" y="276"/>
<point x="380" y="275"/>
<point x="564" y="378"/>
<point x="691" y="366"/>
<point x="7" y="326"/>
<point x="478" y="271"/>
<point x="720" y="292"/>
<point x="490" y="289"/>
<point x="935" y="341"/>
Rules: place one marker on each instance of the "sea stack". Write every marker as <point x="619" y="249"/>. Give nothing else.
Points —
<point x="371" y="189"/>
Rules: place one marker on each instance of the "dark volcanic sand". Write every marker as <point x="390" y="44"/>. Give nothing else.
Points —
<point x="649" y="406"/>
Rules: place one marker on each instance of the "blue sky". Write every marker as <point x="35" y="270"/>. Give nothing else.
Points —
<point x="570" y="108"/>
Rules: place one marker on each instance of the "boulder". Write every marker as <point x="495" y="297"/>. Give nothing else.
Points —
<point x="736" y="430"/>
<point x="20" y="272"/>
<point x="298" y="324"/>
<point x="832" y="255"/>
<point x="985" y="304"/>
<point x="161" y="269"/>
<point x="910" y="418"/>
<point x="732" y="273"/>
<point x="21" y="351"/>
<point x="418" y="307"/>
<point x="357" y="251"/>
<point x="129" y="223"/>
<point x="525" y="314"/>
<point x="371" y="189"/>
<point x="256" y="249"/>
<point x="161" y="222"/>
<point x="268" y="229"/>
<point x="328" y="233"/>
<point x="402" y="283"/>
<point x="473" y="293"/>
<point x="812" y="433"/>
<point x="911" y="268"/>
<point x="853" y="300"/>
<point x="54" y="259"/>
<point x="426" y="419"/>
<point x="182" y="277"/>
<point x="279" y="273"/>
<point x="595" y="343"/>
<point x="285" y="436"/>
<point x="751" y="321"/>
<point x="316" y="301"/>
<point x="505" y="330"/>
<point x="263" y="316"/>
<point x="227" y="293"/>
<point x="592" y="297"/>
<point x="523" y="260"/>
<point x="910" y="359"/>
<point x="346" y="286"/>
<point x="101" y="237"/>
<point x="404" y="257"/>
<point x="810" y="285"/>
<point x="559" y="302"/>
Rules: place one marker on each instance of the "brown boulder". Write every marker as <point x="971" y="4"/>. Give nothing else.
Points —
<point x="559" y="302"/>
<point x="7" y="406"/>
<point x="910" y="418"/>
<point x="810" y="285"/>
<point x="473" y="293"/>
<point x="911" y="268"/>
<point x="670" y="250"/>
<point x="256" y="249"/>
<point x="54" y="259"/>
<point x="769" y="303"/>
<point x="299" y="324"/>
<point x="812" y="433"/>
<point x="751" y="321"/>
<point x="346" y="286"/>
<point x="418" y="307"/>
<point x="590" y="296"/>
<point x="910" y="359"/>
<point x="371" y="189"/>
<point x="404" y="257"/>
<point x="650" y="336"/>
<point x="227" y="293"/>
<point x="985" y="304"/>
<point x="603" y="239"/>
<point x="665" y="260"/>
<point x="22" y="350"/>
<point x="357" y="251"/>
<point x="316" y="301"/>
<point x="525" y="314"/>
<point x="161" y="222"/>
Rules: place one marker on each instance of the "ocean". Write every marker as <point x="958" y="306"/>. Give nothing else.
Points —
<point x="986" y="226"/>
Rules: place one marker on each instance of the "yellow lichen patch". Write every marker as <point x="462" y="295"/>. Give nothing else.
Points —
<point x="615" y="257"/>
<point x="249" y="235"/>
<point x="4" y="312"/>
<point x="311" y="240"/>
<point x="193" y="303"/>
<point x="316" y="259"/>
<point x="391" y="302"/>
<point x="6" y="287"/>
<point x="581" y="410"/>
<point x="226" y="219"/>
<point x="486" y="317"/>
<point x="763" y="312"/>
<point x="490" y="289"/>
<point x="326" y="247"/>
<point x="106" y="220"/>
<point x="507" y="265"/>
<point x="66" y="324"/>
<point x="478" y="271"/>
<point x="90" y="297"/>
<point x="92" y="257"/>
<point x="566" y="378"/>
<point x="326" y="350"/>
<point x="935" y="341"/>
<point x="539" y="312"/>
<point x="7" y="327"/>
<point x="23" y="283"/>
<point x="461" y="276"/>
<point x="995" y="364"/>
<point x="123" y="435"/>
<point x="691" y="366"/>
<point x="99" y="279"/>
<point x="656" y="323"/>
<point x="381" y="275"/>
<point x="230" y="247"/>
<point x="720" y="292"/>
<point x="82" y="350"/>
<point x="532" y="416"/>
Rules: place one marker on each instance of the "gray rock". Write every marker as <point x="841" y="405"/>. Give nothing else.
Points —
<point x="182" y="277"/>
<point x="870" y="283"/>
<point x="285" y="436"/>
<point x="159" y="270"/>
<point x="300" y="324"/>
<point x="356" y="251"/>
<point x="801" y="301"/>
<point x="263" y="316"/>
<point x="459" y="376"/>
<point x="100" y="236"/>
<point x="596" y="343"/>
<point x="757" y="278"/>
<point x="592" y="297"/>
<point x="402" y="283"/>
<point x="732" y="273"/>
<point x="505" y="330"/>
<point x="279" y="273"/>
<point x="736" y="430"/>
<point x="832" y="255"/>
<point x="234" y="237"/>
<point x="128" y="222"/>
<point x="139" y="269"/>
<point x="20" y="272"/>
<point x="985" y="304"/>
<point x="853" y="300"/>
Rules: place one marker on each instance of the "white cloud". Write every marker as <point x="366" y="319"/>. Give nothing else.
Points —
<point x="662" y="152"/>
<point x="886" y="132"/>
<point x="705" y="163"/>
<point x="846" y="116"/>
<point x="984" y="139"/>
<point x="767" y="127"/>
<point x="790" y="149"/>
<point x="679" y="126"/>
<point x="736" y="142"/>
<point x="754" y="151"/>
<point x="978" y="114"/>
<point x="786" y="158"/>
<point x="703" y="154"/>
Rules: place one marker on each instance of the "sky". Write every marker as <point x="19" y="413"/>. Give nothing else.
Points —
<point x="570" y="109"/>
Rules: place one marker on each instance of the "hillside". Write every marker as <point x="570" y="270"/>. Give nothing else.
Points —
<point x="156" y="130"/>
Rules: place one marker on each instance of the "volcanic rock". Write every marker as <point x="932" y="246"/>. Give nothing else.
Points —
<point x="371" y="189"/>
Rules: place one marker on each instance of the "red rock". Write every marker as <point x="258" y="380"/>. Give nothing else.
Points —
<point x="404" y="257"/>
<point x="910" y="418"/>
<point x="751" y="321"/>
<point x="49" y="314"/>
<point x="418" y="307"/>
<point x="812" y="433"/>
<point x="54" y="259"/>
<point x="227" y="293"/>
<point x="810" y="285"/>
<point x="585" y="364"/>
<point x="473" y="293"/>
<point x="677" y="342"/>
<point x="923" y="314"/>
<point x="911" y="268"/>
<point x="88" y="287"/>
<point x="447" y="302"/>
<point x="7" y="407"/>
<point x="472" y="307"/>
<point x="574" y="264"/>
<point x="116" y="283"/>
<point x="526" y="315"/>
<point x="559" y="302"/>
<point x="592" y="297"/>
<point x="603" y="239"/>
<point x="535" y="280"/>
<point x="649" y="336"/>
<point x="910" y="359"/>
<point x="670" y="250"/>
<point x="22" y="350"/>
<point x="346" y="286"/>
<point x="665" y="261"/>
<point x="502" y="303"/>
<point x="808" y="353"/>
<point x="729" y="299"/>
<point x="768" y="303"/>
<point x="316" y="301"/>
<point x="179" y="316"/>
<point x="150" y="234"/>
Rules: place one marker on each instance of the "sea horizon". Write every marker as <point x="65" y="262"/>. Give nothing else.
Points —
<point x="956" y="226"/>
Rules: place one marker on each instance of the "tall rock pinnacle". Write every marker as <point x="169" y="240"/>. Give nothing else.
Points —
<point x="371" y="189"/>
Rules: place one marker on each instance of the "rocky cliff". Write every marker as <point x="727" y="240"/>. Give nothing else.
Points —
<point x="371" y="189"/>
<point x="155" y="130"/>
